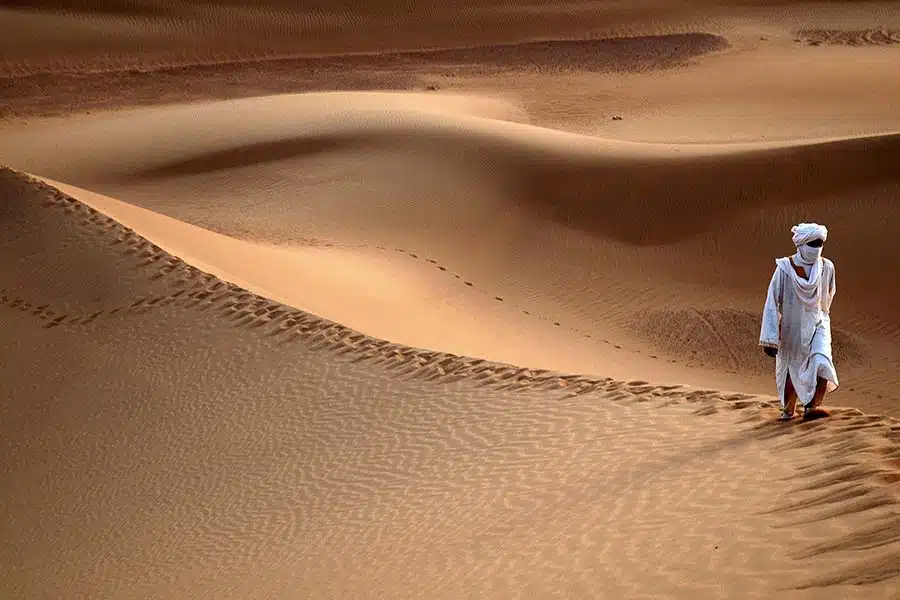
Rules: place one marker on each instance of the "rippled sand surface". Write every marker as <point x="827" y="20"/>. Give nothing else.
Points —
<point x="421" y="301"/>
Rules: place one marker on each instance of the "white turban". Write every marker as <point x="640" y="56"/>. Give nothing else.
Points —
<point x="806" y="232"/>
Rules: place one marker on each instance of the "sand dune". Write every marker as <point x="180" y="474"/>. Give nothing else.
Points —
<point x="210" y="442"/>
<point x="380" y="300"/>
<point x="177" y="33"/>
<point x="550" y="221"/>
<point x="22" y="91"/>
<point x="74" y="36"/>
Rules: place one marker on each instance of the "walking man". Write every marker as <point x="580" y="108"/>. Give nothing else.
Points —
<point x="796" y="327"/>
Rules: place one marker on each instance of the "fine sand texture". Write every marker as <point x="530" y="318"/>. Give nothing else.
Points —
<point x="170" y="435"/>
<point x="333" y="299"/>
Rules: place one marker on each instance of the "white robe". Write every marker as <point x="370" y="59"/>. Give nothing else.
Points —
<point x="800" y="330"/>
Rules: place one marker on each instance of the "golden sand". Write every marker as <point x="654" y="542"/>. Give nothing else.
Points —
<point x="441" y="302"/>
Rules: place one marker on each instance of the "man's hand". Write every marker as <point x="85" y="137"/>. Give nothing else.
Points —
<point x="772" y="352"/>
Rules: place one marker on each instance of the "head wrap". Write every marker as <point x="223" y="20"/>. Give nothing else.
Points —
<point x="806" y="232"/>
<point x="807" y="289"/>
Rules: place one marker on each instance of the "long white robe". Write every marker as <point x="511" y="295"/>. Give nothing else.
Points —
<point x="800" y="330"/>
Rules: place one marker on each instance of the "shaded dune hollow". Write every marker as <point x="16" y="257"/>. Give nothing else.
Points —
<point x="194" y="439"/>
<point x="643" y="201"/>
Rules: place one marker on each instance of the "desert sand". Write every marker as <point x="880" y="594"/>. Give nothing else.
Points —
<point x="421" y="301"/>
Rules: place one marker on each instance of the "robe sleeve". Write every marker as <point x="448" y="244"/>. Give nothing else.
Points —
<point x="832" y="289"/>
<point x="771" y="318"/>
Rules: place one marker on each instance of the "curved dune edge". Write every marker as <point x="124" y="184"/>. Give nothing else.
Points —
<point x="257" y="296"/>
<point x="245" y="305"/>
<point x="845" y="469"/>
<point x="336" y="286"/>
<point x="551" y="173"/>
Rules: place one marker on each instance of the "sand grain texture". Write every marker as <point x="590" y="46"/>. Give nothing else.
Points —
<point x="315" y="461"/>
<point x="411" y="300"/>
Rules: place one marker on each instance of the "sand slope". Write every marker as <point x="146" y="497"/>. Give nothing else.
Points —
<point x="529" y="245"/>
<point x="196" y="440"/>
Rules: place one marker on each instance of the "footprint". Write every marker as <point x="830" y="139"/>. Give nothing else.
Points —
<point x="55" y="322"/>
